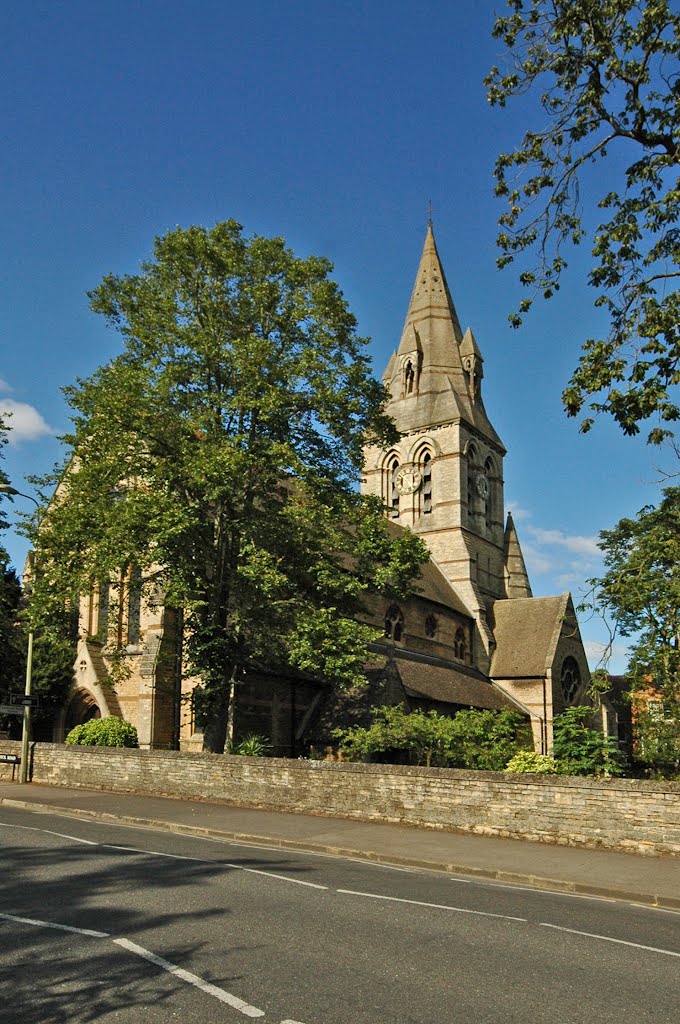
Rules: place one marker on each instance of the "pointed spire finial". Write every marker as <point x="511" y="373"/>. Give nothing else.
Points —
<point x="429" y="213"/>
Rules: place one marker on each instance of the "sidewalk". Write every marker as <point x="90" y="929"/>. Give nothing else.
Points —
<point x="649" y="880"/>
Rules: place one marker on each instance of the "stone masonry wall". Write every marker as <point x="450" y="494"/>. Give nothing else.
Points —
<point x="616" y="813"/>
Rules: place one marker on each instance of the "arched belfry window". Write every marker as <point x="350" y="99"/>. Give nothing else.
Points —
<point x="409" y="377"/>
<point x="134" y="605"/>
<point x="427" y="483"/>
<point x="570" y="679"/>
<point x="459" y="645"/>
<point x="394" y="624"/>
<point x="393" y="469"/>
<point x="471" y="470"/>
<point x="103" y="595"/>
<point x="490" y="494"/>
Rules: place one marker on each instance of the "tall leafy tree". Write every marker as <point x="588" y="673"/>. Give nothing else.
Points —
<point x="607" y="77"/>
<point x="11" y="637"/>
<point x="640" y="591"/>
<point x="218" y="454"/>
<point x="52" y="672"/>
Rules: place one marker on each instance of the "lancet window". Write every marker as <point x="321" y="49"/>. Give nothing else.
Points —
<point x="459" y="644"/>
<point x="570" y="679"/>
<point x="102" y="611"/>
<point x="134" y="605"/>
<point x="471" y="469"/>
<point x="490" y="494"/>
<point x="393" y="469"/>
<point x="394" y="623"/>
<point x="427" y="483"/>
<point x="409" y="377"/>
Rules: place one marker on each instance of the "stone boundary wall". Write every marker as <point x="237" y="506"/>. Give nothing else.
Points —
<point x="624" y="814"/>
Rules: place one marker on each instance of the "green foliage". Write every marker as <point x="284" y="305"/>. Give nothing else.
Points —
<point x="640" y="593"/>
<point x="251" y="746"/>
<point x="218" y="453"/>
<point x="581" y="750"/>
<point x="483" y="740"/>
<point x="605" y="75"/>
<point x="104" y="732"/>
<point x="12" y="636"/>
<point x="528" y="762"/>
<point x="656" y="726"/>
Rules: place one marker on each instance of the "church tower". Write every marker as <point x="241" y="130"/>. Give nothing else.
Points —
<point x="444" y="479"/>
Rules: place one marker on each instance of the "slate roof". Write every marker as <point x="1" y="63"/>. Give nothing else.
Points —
<point x="526" y="631"/>
<point x="450" y="685"/>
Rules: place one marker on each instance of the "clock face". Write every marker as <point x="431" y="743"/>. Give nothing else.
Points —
<point x="482" y="485"/>
<point x="408" y="480"/>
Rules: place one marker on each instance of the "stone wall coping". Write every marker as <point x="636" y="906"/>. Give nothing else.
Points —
<point x="409" y="771"/>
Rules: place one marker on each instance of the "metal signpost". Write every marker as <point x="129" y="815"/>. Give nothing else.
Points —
<point x="26" y="704"/>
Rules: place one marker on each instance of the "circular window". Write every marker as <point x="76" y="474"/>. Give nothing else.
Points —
<point x="570" y="678"/>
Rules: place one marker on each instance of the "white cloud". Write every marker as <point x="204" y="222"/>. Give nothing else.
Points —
<point x="24" y="421"/>
<point x="615" y="655"/>
<point x="518" y="513"/>
<point x="4" y="386"/>
<point x="578" y="545"/>
<point x="537" y="561"/>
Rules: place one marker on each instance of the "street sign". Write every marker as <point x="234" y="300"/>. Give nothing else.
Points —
<point x="24" y="702"/>
<point x="9" y="758"/>
<point x="10" y="709"/>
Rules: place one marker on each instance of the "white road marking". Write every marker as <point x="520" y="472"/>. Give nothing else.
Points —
<point x="169" y="856"/>
<point x="437" y="906"/>
<point x="158" y="961"/>
<point x="59" y="927"/>
<point x="152" y="853"/>
<point x="271" y="874"/>
<point x="608" y="938"/>
<point x="192" y="979"/>
<point x="33" y="828"/>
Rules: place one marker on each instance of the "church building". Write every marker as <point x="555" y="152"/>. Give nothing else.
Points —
<point x="472" y="634"/>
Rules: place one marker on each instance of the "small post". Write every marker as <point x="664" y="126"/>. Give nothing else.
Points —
<point x="26" y="725"/>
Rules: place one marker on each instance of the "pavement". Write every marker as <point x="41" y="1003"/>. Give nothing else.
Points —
<point x="650" y="880"/>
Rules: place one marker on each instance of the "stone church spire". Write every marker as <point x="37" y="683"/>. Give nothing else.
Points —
<point x="435" y="374"/>
<point x="516" y="576"/>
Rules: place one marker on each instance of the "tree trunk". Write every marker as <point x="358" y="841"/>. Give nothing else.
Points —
<point x="219" y="726"/>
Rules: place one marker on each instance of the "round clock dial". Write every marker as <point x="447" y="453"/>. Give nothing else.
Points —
<point x="408" y="480"/>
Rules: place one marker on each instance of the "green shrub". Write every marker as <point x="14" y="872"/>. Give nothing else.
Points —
<point x="582" y="750"/>
<point x="484" y="740"/>
<point x="104" y="732"/>
<point x="251" y="746"/>
<point x="529" y="762"/>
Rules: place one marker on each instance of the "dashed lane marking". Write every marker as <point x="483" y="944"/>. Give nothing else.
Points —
<point x="58" y="927"/>
<point x="608" y="938"/>
<point x="61" y="835"/>
<point x="436" y="906"/>
<point x="192" y="979"/>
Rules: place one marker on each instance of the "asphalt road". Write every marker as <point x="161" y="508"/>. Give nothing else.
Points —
<point x="103" y="922"/>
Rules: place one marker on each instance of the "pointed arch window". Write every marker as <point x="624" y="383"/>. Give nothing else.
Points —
<point x="103" y="611"/>
<point x="134" y="605"/>
<point x="471" y="467"/>
<point x="393" y="469"/>
<point x="394" y="624"/>
<point x="427" y="483"/>
<point x="570" y="679"/>
<point x="409" y="377"/>
<point x="490" y="494"/>
<point x="459" y="644"/>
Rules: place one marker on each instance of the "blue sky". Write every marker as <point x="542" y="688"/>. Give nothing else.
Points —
<point x="332" y="125"/>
